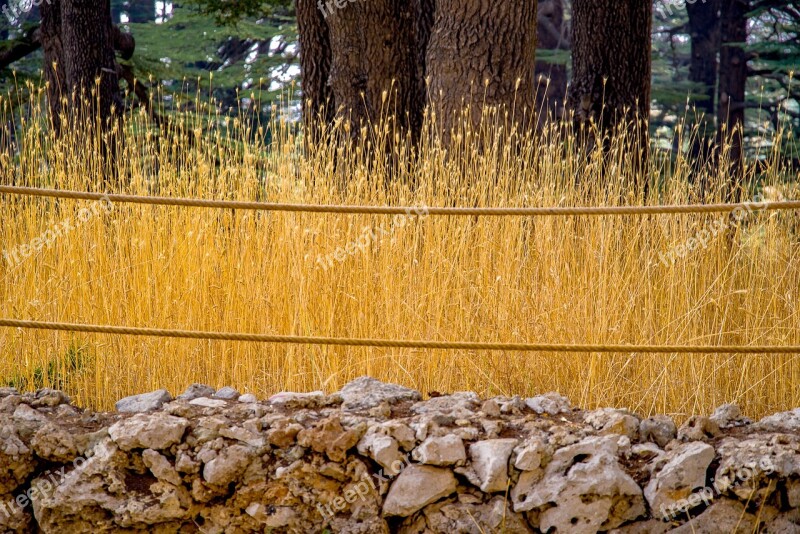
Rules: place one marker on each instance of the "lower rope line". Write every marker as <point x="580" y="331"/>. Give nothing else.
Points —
<point x="398" y="343"/>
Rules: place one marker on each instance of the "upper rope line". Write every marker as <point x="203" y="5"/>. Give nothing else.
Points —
<point x="403" y="210"/>
<point x="401" y="343"/>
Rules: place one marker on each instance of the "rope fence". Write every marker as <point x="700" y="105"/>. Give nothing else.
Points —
<point x="402" y="210"/>
<point x="395" y="210"/>
<point x="399" y="343"/>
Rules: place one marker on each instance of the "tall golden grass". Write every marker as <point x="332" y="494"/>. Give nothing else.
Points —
<point x="548" y="279"/>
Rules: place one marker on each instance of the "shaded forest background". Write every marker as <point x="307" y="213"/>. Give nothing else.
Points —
<point x="248" y="58"/>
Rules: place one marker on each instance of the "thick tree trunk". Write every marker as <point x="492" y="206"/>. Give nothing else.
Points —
<point x="704" y="34"/>
<point x="482" y="53"/>
<point x="392" y="56"/>
<point x="732" y="82"/>
<point x="611" y="64"/>
<point x="53" y="64"/>
<point x="551" y="78"/>
<point x="315" y="65"/>
<point x="348" y="75"/>
<point x="88" y="49"/>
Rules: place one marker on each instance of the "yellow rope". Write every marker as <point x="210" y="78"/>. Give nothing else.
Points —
<point x="399" y="210"/>
<point x="397" y="343"/>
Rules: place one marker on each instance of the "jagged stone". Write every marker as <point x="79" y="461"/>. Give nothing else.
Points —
<point x="583" y="490"/>
<point x="489" y="461"/>
<point x="157" y="431"/>
<point x="227" y="393"/>
<point x="366" y="392"/>
<point x="613" y="421"/>
<point x="699" y="428"/>
<point x="680" y="472"/>
<point x="659" y="429"/>
<point x="728" y="416"/>
<point x="417" y="486"/>
<point x="146" y="402"/>
<point x="550" y="403"/>
<point x="195" y="391"/>
<point x="444" y="450"/>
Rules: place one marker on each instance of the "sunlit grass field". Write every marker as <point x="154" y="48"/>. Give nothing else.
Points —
<point x="576" y="279"/>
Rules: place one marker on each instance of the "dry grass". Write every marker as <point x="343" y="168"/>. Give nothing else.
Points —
<point x="573" y="279"/>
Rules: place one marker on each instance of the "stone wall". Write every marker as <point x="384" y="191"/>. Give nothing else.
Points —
<point x="375" y="458"/>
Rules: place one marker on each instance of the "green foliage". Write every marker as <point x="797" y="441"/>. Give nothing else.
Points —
<point x="58" y="373"/>
<point x="226" y="12"/>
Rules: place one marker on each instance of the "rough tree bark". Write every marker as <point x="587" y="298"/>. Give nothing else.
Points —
<point x="53" y="63"/>
<point x="348" y="75"/>
<point x="481" y="53"/>
<point x="732" y="82"/>
<point x="611" y="64"/>
<point x="704" y="34"/>
<point x="551" y="78"/>
<point x="88" y="48"/>
<point x="391" y="56"/>
<point x="315" y="65"/>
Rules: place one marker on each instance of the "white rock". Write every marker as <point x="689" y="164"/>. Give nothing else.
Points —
<point x="229" y="465"/>
<point x="444" y="450"/>
<point x="383" y="449"/>
<point x="489" y="461"/>
<point x="248" y="398"/>
<point x="160" y="467"/>
<point x="196" y="391"/>
<point x="531" y="455"/>
<point x="683" y="472"/>
<point x="157" y="431"/>
<point x="366" y="392"/>
<point x="660" y="429"/>
<point x="208" y="403"/>
<point x="416" y="487"/>
<point x="584" y="490"/>
<point x="145" y="402"/>
<point x="550" y="403"/>
<point x="227" y="393"/>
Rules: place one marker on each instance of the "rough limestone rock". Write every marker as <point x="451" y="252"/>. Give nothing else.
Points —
<point x="613" y="421"/>
<point x="781" y="422"/>
<point x="583" y="490"/>
<point x="307" y="464"/>
<point x="490" y="463"/>
<point x="417" y="486"/>
<point x="728" y="416"/>
<point x="444" y="450"/>
<point x="467" y="516"/>
<point x="699" y="428"/>
<point x="146" y="402"/>
<point x="659" y="429"/>
<point x="228" y="465"/>
<point x="195" y="391"/>
<point x="227" y="393"/>
<point x="678" y="474"/>
<point x="248" y="398"/>
<point x="366" y="392"/>
<point x="157" y="431"/>
<point x="550" y="403"/>
<point x="330" y="437"/>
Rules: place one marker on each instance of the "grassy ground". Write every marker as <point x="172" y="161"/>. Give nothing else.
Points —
<point x="561" y="280"/>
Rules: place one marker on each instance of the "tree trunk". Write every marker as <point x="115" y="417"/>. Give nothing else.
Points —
<point x="551" y="78"/>
<point x="315" y="66"/>
<point x="611" y="64"/>
<point x="482" y="53"/>
<point x="732" y="81"/>
<point x="391" y="56"/>
<point x="88" y="48"/>
<point x="348" y="76"/>
<point x="53" y="64"/>
<point x="704" y="34"/>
